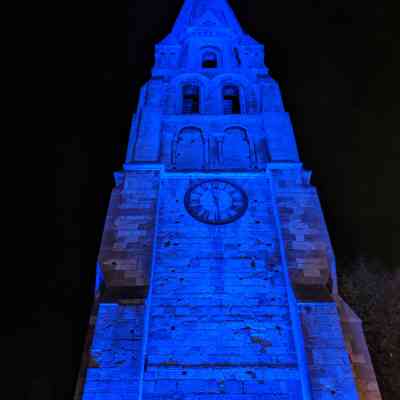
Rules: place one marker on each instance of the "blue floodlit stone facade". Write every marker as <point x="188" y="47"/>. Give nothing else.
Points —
<point x="216" y="277"/>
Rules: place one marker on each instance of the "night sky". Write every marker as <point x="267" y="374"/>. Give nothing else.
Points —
<point x="337" y="63"/>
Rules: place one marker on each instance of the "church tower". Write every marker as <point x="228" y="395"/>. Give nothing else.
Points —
<point x="216" y="277"/>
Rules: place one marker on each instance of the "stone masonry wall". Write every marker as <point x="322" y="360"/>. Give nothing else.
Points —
<point x="147" y="147"/>
<point x="114" y="369"/>
<point x="280" y="136"/>
<point x="330" y="369"/>
<point x="127" y="246"/>
<point x="304" y="232"/>
<point x="358" y="350"/>
<point x="115" y="357"/>
<point x="309" y="257"/>
<point x="219" y="320"/>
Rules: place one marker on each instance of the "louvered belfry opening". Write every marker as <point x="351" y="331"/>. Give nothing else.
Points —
<point x="231" y="99"/>
<point x="191" y="99"/>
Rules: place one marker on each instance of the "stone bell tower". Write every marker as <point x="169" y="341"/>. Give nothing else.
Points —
<point x="216" y="277"/>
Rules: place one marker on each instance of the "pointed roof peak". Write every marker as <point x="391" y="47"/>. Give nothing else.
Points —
<point x="203" y="13"/>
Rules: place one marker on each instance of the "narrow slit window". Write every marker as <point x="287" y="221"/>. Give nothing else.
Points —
<point x="191" y="99"/>
<point x="237" y="56"/>
<point x="231" y="100"/>
<point x="210" y="60"/>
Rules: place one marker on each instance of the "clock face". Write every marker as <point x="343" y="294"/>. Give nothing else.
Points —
<point x="216" y="202"/>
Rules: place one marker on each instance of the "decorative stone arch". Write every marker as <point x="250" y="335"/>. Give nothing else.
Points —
<point x="209" y="51"/>
<point x="185" y="152"/>
<point x="239" y="126"/>
<point x="190" y="79"/>
<point x="236" y="148"/>
<point x="238" y="81"/>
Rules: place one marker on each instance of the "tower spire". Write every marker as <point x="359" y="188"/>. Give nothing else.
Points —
<point x="215" y="264"/>
<point x="202" y="13"/>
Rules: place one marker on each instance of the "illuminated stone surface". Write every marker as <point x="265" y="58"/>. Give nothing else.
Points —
<point x="232" y="296"/>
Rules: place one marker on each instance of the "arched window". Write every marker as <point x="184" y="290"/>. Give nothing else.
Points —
<point x="231" y="96"/>
<point x="236" y="149"/>
<point x="188" y="149"/>
<point x="210" y="60"/>
<point x="190" y="99"/>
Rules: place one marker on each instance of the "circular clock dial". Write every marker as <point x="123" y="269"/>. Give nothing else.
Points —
<point x="216" y="202"/>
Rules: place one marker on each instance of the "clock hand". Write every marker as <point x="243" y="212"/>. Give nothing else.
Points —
<point x="218" y="208"/>
<point x="215" y="197"/>
<point x="216" y="202"/>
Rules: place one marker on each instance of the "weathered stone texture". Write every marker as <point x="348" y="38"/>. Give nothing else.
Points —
<point x="126" y="252"/>
<point x="280" y="136"/>
<point x="358" y="351"/>
<point x="148" y="141"/>
<point x="330" y="370"/>
<point x="219" y="321"/>
<point x="116" y="353"/>
<point x="307" y="244"/>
